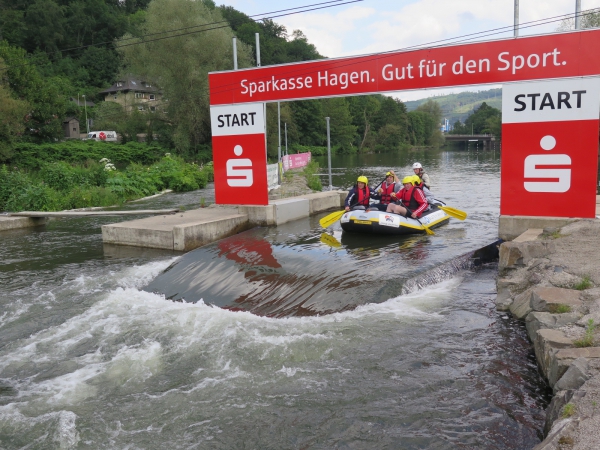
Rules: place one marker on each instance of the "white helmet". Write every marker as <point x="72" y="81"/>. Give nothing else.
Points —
<point x="417" y="165"/>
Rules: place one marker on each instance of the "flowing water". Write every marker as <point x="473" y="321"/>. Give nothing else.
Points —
<point x="315" y="346"/>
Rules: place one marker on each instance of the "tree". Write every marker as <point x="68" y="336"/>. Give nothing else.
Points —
<point x="43" y="121"/>
<point x="180" y="64"/>
<point x="433" y="133"/>
<point x="342" y="132"/>
<point x="12" y="126"/>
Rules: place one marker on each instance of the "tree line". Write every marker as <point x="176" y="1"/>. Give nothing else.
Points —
<point x="54" y="50"/>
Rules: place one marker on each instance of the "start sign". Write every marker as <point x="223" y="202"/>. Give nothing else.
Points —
<point x="239" y="154"/>
<point x="550" y="148"/>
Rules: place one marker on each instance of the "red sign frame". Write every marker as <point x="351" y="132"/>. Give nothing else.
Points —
<point x="558" y="55"/>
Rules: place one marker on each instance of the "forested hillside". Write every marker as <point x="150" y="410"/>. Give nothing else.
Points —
<point x="457" y="107"/>
<point x="53" y="51"/>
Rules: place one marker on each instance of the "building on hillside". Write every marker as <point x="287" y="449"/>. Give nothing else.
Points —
<point x="133" y="93"/>
<point x="71" y="128"/>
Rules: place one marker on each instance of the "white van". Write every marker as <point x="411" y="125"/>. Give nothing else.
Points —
<point x="108" y="136"/>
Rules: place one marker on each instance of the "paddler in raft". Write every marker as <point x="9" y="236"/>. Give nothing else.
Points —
<point x="411" y="196"/>
<point x="386" y="192"/>
<point x="359" y="195"/>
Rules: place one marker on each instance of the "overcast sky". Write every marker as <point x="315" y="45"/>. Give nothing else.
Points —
<point x="372" y="26"/>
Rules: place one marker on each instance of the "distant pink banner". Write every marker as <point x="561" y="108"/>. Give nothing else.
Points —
<point x="295" y="161"/>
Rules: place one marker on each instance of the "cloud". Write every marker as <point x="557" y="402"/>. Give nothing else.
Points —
<point x="329" y="32"/>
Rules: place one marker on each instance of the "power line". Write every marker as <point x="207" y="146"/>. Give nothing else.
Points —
<point x="272" y="15"/>
<point x="432" y="44"/>
<point x="435" y="44"/>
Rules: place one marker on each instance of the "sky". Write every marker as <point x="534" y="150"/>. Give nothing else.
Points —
<point x="372" y="26"/>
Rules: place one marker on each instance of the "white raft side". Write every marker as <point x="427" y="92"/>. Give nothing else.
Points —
<point x="393" y="220"/>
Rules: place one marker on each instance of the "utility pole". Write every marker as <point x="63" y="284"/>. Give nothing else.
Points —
<point x="577" y="14"/>
<point x="257" y="37"/>
<point x="516" y="25"/>
<point x="286" y="149"/>
<point x="235" y="66"/>
<point x="87" y="124"/>
<point x="329" y="154"/>
<point x="278" y="139"/>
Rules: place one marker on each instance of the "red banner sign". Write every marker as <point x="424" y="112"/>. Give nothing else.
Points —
<point x="550" y="148"/>
<point x="558" y="55"/>
<point x="239" y="155"/>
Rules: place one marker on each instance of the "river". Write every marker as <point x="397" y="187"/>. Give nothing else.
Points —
<point x="317" y="347"/>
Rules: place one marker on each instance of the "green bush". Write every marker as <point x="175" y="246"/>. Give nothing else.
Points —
<point x="35" y="197"/>
<point x="312" y="179"/>
<point x="34" y="156"/>
<point x="59" y="185"/>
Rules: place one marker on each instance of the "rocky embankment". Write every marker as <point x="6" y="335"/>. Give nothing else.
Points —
<point x="551" y="281"/>
<point x="293" y="184"/>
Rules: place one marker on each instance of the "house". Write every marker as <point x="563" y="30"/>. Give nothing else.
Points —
<point x="133" y="93"/>
<point x="81" y="102"/>
<point x="71" y="128"/>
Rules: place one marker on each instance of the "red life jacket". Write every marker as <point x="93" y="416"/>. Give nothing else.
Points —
<point x="386" y="194"/>
<point x="363" y="196"/>
<point x="408" y="198"/>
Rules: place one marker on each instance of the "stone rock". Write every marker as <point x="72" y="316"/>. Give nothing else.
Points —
<point x="574" y="377"/>
<point x="521" y="306"/>
<point x="547" y="299"/>
<point x="563" y="280"/>
<point x="564" y="427"/>
<point x="504" y="289"/>
<point x="546" y="344"/>
<point x="537" y="320"/>
<point x="519" y="254"/>
<point x="553" y="426"/>
<point x="595" y="316"/>
<point x="564" y="357"/>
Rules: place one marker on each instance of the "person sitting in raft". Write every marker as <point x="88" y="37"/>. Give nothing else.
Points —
<point x="417" y="182"/>
<point x="359" y="195"/>
<point x="412" y="201"/>
<point x="386" y="192"/>
<point x="418" y="170"/>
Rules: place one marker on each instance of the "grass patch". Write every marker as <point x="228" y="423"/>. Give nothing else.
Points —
<point x="559" y="309"/>
<point x="566" y="440"/>
<point x="568" y="410"/>
<point x="588" y="339"/>
<point x="584" y="284"/>
<point x="312" y="179"/>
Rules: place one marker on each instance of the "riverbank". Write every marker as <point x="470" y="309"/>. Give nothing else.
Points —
<point x="551" y="280"/>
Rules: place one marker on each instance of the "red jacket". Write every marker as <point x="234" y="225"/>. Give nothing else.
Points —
<point x="413" y="199"/>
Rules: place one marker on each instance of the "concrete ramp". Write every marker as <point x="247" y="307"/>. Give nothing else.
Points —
<point x="183" y="231"/>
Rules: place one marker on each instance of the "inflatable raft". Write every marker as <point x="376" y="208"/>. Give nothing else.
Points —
<point x="362" y="221"/>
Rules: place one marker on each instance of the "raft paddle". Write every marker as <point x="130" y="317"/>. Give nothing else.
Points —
<point x="330" y="240"/>
<point x="332" y="218"/>
<point x="427" y="229"/>
<point x="456" y="213"/>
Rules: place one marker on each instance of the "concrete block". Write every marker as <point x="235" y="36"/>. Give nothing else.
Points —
<point x="263" y="216"/>
<point x="287" y="210"/>
<point x="15" y="223"/>
<point x="323" y="201"/>
<point x="122" y="234"/>
<point x="549" y="298"/>
<point x="193" y="235"/>
<point x="510" y="227"/>
<point x="574" y="377"/>
<point x="518" y="254"/>
<point x="544" y="320"/>
<point x="547" y="344"/>
<point x="521" y="306"/>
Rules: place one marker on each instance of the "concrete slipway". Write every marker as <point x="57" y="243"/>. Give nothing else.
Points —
<point x="188" y="230"/>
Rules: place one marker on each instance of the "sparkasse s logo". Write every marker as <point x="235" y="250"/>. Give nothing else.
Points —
<point x="239" y="170"/>
<point x="544" y="166"/>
